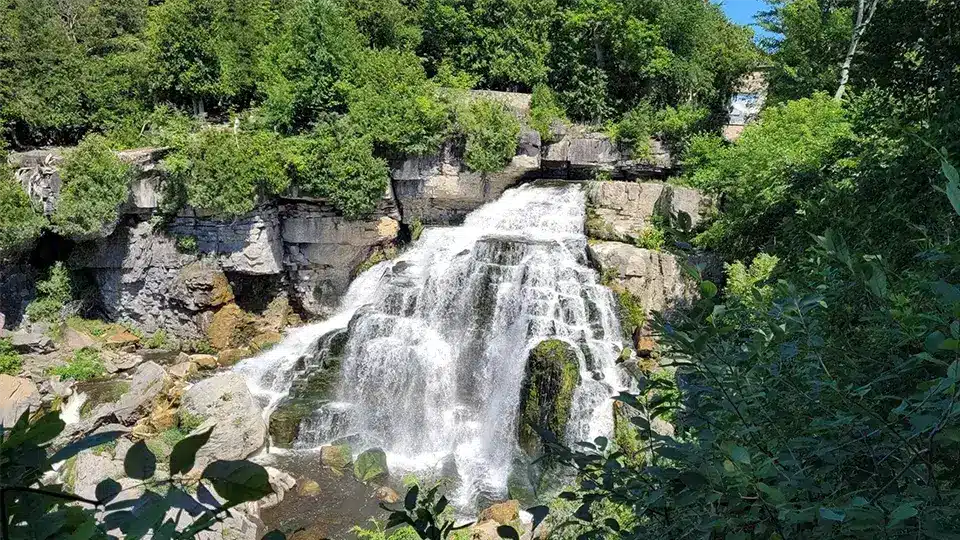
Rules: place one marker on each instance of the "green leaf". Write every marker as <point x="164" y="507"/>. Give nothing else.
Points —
<point x="773" y="494"/>
<point x="832" y="514"/>
<point x="740" y="454"/>
<point x="708" y="288"/>
<point x="506" y="531"/>
<point x="903" y="512"/>
<point x="140" y="463"/>
<point x="184" y="453"/>
<point x="953" y="184"/>
<point x="107" y="490"/>
<point x="933" y="341"/>
<point x="953" y="372"/>
<point x="238" y="481"/>
<point x="410" y="501"/>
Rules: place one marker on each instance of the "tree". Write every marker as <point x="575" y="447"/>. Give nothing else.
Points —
<point x="864" y="15"/>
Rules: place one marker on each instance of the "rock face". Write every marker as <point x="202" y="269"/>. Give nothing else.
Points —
<point x="620" y="210"/>
<point x="16" y="397"/>
<point x="656" y="279"/>
<point x="546" y="393"/>
<point x="582" y="155"/>
<point x="439" y="189"/>
<point x="224" y="403"/>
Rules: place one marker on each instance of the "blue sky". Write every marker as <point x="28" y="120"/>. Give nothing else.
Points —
<point x="742" y="11"/>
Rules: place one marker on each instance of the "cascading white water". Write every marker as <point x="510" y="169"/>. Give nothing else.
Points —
<point x="439" y="338"/>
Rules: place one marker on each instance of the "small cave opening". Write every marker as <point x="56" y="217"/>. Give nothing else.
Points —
<point x="253" y="293"/>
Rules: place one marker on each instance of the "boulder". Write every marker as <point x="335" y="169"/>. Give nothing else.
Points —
<point x="502" y="513"/>
<point x="228" y="327"/>
<point x="147" y="383"/>
<point x="201" y="285"/>
<point x="121" y="339"/>
<point x="16" y="396"/>
<point x="308" y="488"/>
<point x="386" y="495"/>
<point x="551" y="375"/>
<point x="229" y="357"/>
<point x="371" y="466"/>
<point x="224" y="403"/>
<point x="281" y="483"/>
<point x="336" y="456"/>
<point x="74" y="340"/>
<point x="204" y="361"/>
<point x="657" y="280"/>
<point x="184" y="370"/>
<point x="32" y="340"/>
<point x="285" y="422"/>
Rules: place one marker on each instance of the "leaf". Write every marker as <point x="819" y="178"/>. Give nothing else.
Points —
<point x="953" y="184"/>
<point x="708" y="288"/>
<point x="107" y="490"/>
<point x="140" y="463"/>
<point x="410" y="501"/>
<point x="506" y="531"/>
<point x="184" y="453"/>
<point x="670" y="452"/>
<point x="903" y="512"/>
<point x="539" y="514"/>
<point x="832" y="514"/>
<point x="773" y="494"/>
<point x="933" y="341"/>
<point x="612" y="524"/>
<point x="953" y="372"/>
<point x="692" y="479"/>
<point x="238" y="481"/>
<point x="740" y="454"/>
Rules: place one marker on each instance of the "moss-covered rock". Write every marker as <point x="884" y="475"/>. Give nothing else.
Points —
<point x="371" y="466"/>
<point x="285" y="421"/>
<point x="546" y="394"/>
<point x="228" y="327"/>
<point x="336" y="456"/>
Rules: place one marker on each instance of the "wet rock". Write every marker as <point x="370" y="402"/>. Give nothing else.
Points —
<point x="336" y="456"/>
<point x="285" y="421"/>
<point x="308" y="488"/>
<point x="281" y="483"/>
<point x="546" y="394"/>
<point x="371" y="466"/>
<point x="17" y="395"/>
<point x="387" y="495"/>
<point x="266" y="340"/>
<point x="229" y="357"/>
<point x="502" y="513"/>
<point x="224" y="403"/>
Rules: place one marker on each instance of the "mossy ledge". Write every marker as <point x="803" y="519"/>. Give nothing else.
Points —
<point x="546" y="394"/>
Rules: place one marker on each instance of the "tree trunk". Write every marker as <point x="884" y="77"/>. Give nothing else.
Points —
<point x="864" y="15"/>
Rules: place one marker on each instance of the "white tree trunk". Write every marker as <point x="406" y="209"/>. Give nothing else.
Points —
<point x="864" y="14"/>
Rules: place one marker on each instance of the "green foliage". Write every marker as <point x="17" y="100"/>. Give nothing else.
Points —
<point x="10" y="362"/>
<point x="378" y="531"/>
<point x="545" y="112"/>
<point x="760" y="172"/>
<point x="188" y="422"/>
<point x="33" y="507"/>
<point x="228" y="172"/>
<point x="53" y="293"/>
<point x="336" y="163"/>
<point x="83" y="366"/>
<point x="677" y="125"/>
<point x="492" y="133"/>
<point x="392" y="102"/>
<point x="674" y="125"/>
<point x="423" y="514"/>
<point x="164" y="126"/>
<point x="634" y="130"/>
<point x="750" y="285"/>
<point x="20" y="222"/>
<point x="187" y="244"/>
<point x="651" y="237"/>
<point x="95" y="184"/>
<point x="385" y="23"/>
<point x="159" y="340"/>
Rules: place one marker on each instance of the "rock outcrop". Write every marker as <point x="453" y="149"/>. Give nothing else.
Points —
<point x="656" y="279"/>
<point x="546" y="394"/>
<point x="619" y="211"/>
<point x="224" y="404"/>
<point x="583" y="155"/>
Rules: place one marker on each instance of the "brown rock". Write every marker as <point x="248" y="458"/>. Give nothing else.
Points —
<point x="502" y="513"/>
<point x="485" y="530"/>
<point x="204" y="361"/>
<point x="645" y="346"/>
<point x="183" y="370"/>
<point x="229" y="357"/>
<point x="266" y="339"/>
<point x="227" y="327"/>
<point x="386" y="495"/>
<point x="16" y="396"/>
<point x="121" y="339"/>
<point x="201" y="285"/>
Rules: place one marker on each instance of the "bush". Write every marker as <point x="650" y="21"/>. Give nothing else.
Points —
<point x="677" y="125"/>
<point x="491" y="132"/>
<point x="95" y="184"/>
<point x="226" y="172"/>
<point x="651" y="237"/>
<point x="20" y="222"/>
<point x="338" y="164"/>
<point x="634" y="130"/>
<point x="10" y="362"/>
<point x="545" y="111"/>
<point x="392" y="102"/>
<point x="83" y="366"/>
<point x="53" y="294"/>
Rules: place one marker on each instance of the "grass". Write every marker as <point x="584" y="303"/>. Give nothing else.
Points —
<point x="188" y="422"/>
<point x="10" y="362"/>
<point x="83" y="366"/>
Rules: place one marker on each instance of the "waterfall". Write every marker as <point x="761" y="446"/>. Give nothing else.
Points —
<point x="437" y="340"/>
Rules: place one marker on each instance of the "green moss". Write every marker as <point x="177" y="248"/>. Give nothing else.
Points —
<point x="69" y="474"/>
<point x="285" y="421"/>
<point x="100" y="392"/>
<point x="108" y="449"/>
<point x="546" y="395"/>
<point x="377" y="256"/>
<point x="371" y="465"/>
<point x="10" y="362"/>
<point x="93" y="327"/>
<point x="188" y="422"/>
<point x="162" y="445"/>
<point x="632" y="314"/>
<point x="83" y="366"/>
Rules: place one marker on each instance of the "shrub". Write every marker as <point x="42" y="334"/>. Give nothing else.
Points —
<point x="392" y="102"/>
<point x="95" y="184"/>
<point x="10" y="362"/>
<point x="20" y="223"/>
<point x="226" y="172"/>
<point x="677" y="125"/>
<point x="491" y="132"/>
<point x="187" y="244"/>
<point x="159" y="340"/>
<point x="53" y="294"/>
<point x="634" y="130"/>
<point x="750" y="284"/>
<point x="338" y="164"/>
<point x="651" y="237"/>
<point x="83" y="366"/>
<point x="545" y="111"/>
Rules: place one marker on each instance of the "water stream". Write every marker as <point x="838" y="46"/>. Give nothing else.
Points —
<point x="438" y="340"/>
